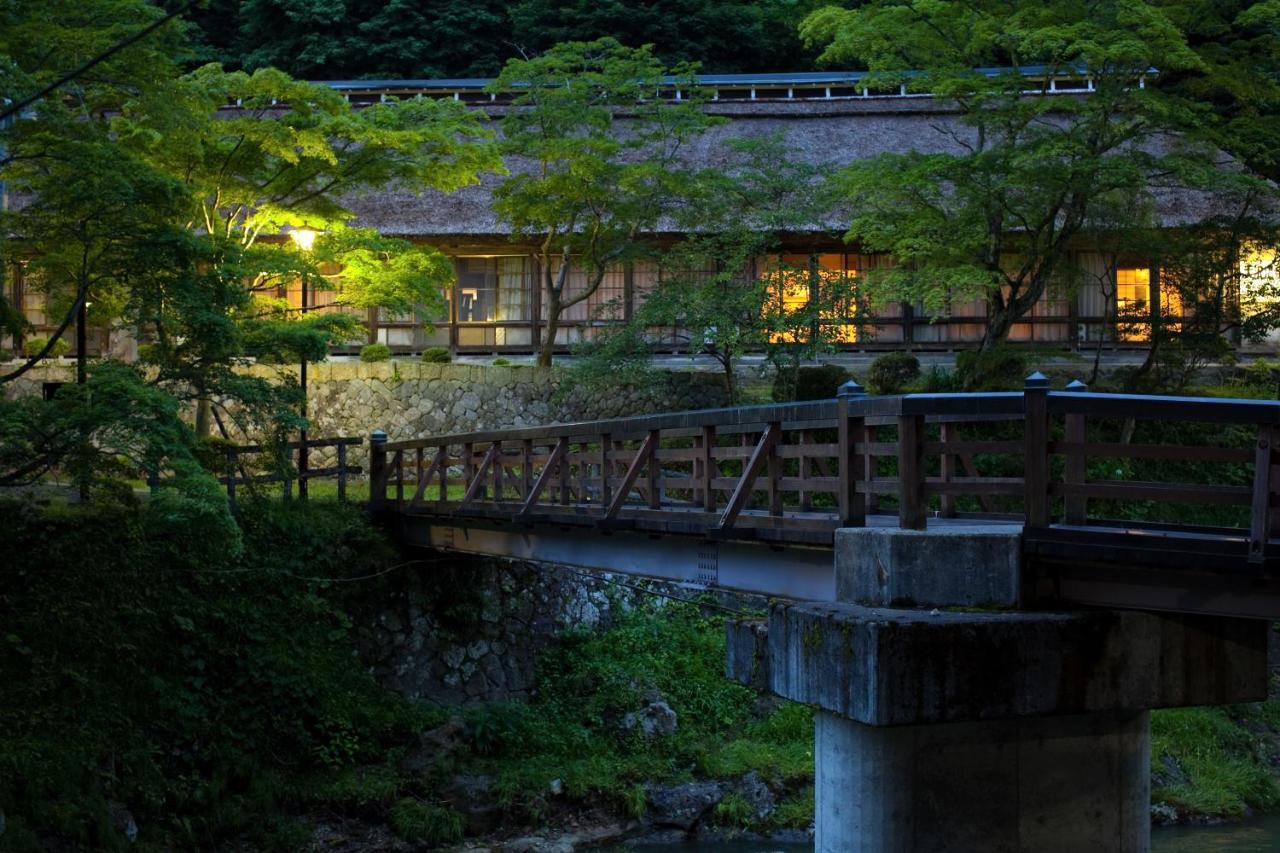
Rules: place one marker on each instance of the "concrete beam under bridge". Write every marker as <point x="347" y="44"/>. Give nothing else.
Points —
<point x="953" y="728"/>
<point x="787" y="571"/>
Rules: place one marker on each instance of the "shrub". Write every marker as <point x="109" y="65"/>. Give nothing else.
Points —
<point x="812" y="383"/>
<point x="501" y="362"/>
<point x="32" y="347"/>
<point x="428" y="823"/>
<point x="1001" y="368"/>
<point x="890" y="373"/>
<point x="375" y="352"/>
<point x="436" y="355"/>
<point x="939" y="380"/>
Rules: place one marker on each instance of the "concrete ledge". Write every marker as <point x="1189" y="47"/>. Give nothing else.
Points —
<point x="747" y="652"/>
<point x="899" y="667"/>
<point x="951" y="564"/>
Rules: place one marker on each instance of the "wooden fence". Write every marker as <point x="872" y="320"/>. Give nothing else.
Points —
<point x="237" y="467"/>
<point x="795" y="472"/>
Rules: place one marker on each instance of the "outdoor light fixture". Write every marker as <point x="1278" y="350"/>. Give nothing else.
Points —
<point x="303" y="238"/>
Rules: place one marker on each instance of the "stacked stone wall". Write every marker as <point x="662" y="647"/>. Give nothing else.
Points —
<point x="413" y="400"/>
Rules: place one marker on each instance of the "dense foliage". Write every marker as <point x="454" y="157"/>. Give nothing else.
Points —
<point x="352" y="39"/>
<point x="178" y="666"/>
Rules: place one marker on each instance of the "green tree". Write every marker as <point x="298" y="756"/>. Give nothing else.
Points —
<point x="723" y="285"/>
<point x="1234" y="92"/>
<point x="95" y="218"/>
<point x="595" y="153"/>
<point x="997" y="214"/>
<point x="261" y="155"/>
<point x="333" y="39"/>
<point x="39" y="43"/>
<point x="724" y="36"/>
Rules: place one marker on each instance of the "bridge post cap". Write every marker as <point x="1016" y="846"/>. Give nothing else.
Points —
<point x="1077" y="385"/>
<point x="378" y="436"/>
<point x="851" y="389"/>
<point x="1037" y="380"/>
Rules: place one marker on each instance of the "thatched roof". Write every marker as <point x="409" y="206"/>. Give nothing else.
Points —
<point x="819" y="132"/>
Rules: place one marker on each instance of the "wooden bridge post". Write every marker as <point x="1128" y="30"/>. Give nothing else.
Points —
<point x="377" y="469"/>
<point x="912" y="509"/>
<point x="1036" y="443"/>
<point x="1260" y="528"/>
<point x="1076" y="507"/>
<point x="852" y="437"/>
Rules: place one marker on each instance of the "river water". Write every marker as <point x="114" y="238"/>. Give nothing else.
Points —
<point x="1258" y="835"/>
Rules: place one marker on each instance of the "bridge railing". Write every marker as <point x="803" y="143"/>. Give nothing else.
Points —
<point x="796" y="471"/>
<point x="239" y="468"/>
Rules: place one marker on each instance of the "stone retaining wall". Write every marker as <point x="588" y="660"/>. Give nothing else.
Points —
<point x="463" y="630"/>
<point x="412" y="399"/>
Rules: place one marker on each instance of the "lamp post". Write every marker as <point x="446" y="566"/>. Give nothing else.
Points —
<point x="304" y="238"/>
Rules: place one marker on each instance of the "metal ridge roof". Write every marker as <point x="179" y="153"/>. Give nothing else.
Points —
<point x="782" y="78"/>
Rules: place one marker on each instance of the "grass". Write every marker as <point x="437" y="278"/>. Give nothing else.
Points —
<point x="572" y="730"/>
<point x="1223" y="755"/>
<point x="425" y="823"/>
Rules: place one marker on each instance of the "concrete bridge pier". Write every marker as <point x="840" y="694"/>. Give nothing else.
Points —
<point x="1074" y="782"/>
<point x="950" y="720"/>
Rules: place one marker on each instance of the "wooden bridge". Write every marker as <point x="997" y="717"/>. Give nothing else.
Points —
<point x="749" y="498"/>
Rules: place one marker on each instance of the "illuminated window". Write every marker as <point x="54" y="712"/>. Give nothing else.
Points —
<point x="1133" y="293"/>
<point x="493" y="290"/>
<point x="795" y="281"/>
<point x="1259" y="280"/>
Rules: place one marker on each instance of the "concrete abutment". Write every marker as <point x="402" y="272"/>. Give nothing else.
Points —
<point x="965" y="724"/>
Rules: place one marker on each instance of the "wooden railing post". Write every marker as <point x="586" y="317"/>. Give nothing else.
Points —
<point x="526" y="468"/>
<point x="1260" y="517"/>
<point x="912" y="510"/>
<point x="852" y="436"/>
<point x="377" y="469"/>
<point x="1035" y="466"/>
<point x="1076" y="507"/>
<point x="442" y="458"/>
<point x="231" y="478"/>
<point x="468" y="466"/>
<point x="304" y="467"/>
<point x="947" y="467"/>
<point x="655" y="471"/>
<point x="342" y="471"/>
<point x="707" y="468"/>
<point x="606" y="494"/>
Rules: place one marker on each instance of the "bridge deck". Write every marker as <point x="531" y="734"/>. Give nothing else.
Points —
<point x="1062" y="465"/>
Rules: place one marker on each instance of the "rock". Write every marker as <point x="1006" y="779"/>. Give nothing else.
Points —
<point x="556" y="788"/>
<point x="122" y="820"/>
<point x="1170" y="773"/>
<point x="657" y="719"/>
<point x="683" y="805"/>
<point x="1163" y="814"/>
<point x="477" y="650"/>
<point x="753" y="789"/>
<point x="661" y="838"/>
<point x="473" y="796"/>
<point x="536" y="844"/>
<point x="455" y="656"/>
<point x="433" y="745"/>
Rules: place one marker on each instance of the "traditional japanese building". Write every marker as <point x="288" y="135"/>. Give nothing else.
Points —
<point x="824" y="119"/>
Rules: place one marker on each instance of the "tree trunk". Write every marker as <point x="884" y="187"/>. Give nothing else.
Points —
<point x="549" y="330"/>
<point x="730" y="381"/>
<point x="998" y="324"/>
<point x="203" y="407"/>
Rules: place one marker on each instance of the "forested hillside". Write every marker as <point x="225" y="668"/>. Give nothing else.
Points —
<point x="349" y="39"/>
